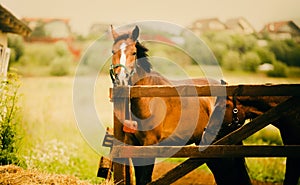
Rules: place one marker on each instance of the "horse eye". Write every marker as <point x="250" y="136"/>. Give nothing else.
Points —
<point x="134" y="53"/>
<point x="112" y="51"/>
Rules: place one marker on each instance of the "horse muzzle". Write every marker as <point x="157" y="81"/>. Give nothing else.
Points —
<point x="122" y="78"/>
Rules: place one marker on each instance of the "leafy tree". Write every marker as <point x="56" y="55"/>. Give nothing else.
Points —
<point x="287" y="51"/>
<point x="265" y="55"/>
<point x="280" y="49"/>
<point x="223" y="38"/>
<point x="280" y="70"/>
<point x="39" y="30"/>
<point x="16" y="44"/>
<point x="243" y="43"/>
<point x="231" y="60"/>
<point x="219" y="51"/>
<point x="293" y="57"/>
<point x="250" y="61"/>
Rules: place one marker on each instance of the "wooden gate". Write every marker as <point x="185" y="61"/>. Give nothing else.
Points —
<point x="221" y="148"/>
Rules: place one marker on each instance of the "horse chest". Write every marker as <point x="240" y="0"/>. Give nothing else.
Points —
<point x="172" y="120"/>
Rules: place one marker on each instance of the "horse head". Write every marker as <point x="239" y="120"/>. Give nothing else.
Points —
<point x="228" y="115"/>
<point x="129" y="57"/>
<point x="231" y="112"/>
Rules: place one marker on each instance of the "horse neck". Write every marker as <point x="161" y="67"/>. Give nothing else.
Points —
<point x="152" y="78"/>
<point x="257" y="105"/>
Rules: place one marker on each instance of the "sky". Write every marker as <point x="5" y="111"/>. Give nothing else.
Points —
<point x="83" y="14"/>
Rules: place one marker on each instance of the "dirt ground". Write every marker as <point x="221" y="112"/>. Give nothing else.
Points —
<point x="196" y="177"/>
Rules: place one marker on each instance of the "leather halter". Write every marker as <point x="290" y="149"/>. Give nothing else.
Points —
<point x="235" y="118"/>
<point x="114" y="77"/>
<point x="112" y="73"/>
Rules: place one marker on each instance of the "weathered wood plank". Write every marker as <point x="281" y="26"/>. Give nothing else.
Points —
<point x="205" y="90"/>
<point x="119" y="165"/>
<point x="232" y="138"/>
<point x="211" y="151"/>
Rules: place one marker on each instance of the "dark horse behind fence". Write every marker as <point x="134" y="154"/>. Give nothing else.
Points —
<point x="162" y="121"/>
<point x="236" y="110"/>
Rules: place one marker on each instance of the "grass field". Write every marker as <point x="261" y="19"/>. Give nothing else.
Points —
<point x="54" y="142"/>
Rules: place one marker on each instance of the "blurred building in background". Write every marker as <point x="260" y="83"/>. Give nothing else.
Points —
<point x="98" y="28"/>
<point x="239" y="25"/>
<point x="203" y="25"/>
<point x="52" y="30"/>
<point x="282" y="30"/>
<point x="9" y="24"/>
<point x="48" y="29"/>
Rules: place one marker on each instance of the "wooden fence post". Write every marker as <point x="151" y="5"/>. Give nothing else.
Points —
<point x="121" y="167"/>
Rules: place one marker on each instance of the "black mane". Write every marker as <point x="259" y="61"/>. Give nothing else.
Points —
<point x="122" y="37"/>
<point x="142" y="57"/>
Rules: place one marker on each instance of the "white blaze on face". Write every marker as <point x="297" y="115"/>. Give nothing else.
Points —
<point x="122" y="75"/>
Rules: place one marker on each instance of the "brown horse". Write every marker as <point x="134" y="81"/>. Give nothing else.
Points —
<point x="160" y="121"/>
<point x="239" y="108"/>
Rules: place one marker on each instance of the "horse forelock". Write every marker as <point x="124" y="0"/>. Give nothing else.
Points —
<point x="122" y="37"/>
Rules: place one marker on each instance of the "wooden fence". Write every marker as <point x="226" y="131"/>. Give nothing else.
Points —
<point x="221" y="148"/>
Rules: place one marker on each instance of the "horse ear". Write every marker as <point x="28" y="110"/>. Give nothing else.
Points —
<point x="114" y="33"/>
<point x="135" y="33"/>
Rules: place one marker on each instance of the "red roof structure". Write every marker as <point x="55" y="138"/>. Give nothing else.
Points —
<point x="286" y="29"/>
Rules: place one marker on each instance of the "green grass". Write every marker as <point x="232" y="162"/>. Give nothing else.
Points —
<point x="266" y="169"/>
<point x="52" y="141"/>
<point x="294" y="72"/>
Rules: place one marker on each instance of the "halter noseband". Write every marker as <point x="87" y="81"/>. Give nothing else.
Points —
<point x="112" y="73"/>
<point x="114" y="76"/>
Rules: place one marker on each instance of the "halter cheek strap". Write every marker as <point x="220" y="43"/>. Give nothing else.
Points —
<point x="112" y="73"/>
<point x="235" y="118"/>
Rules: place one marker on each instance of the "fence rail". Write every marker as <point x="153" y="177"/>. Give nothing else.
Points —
<point x="205" y="90"/>
<point x="211" y="151"/>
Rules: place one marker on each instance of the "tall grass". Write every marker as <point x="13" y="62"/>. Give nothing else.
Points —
<point x="52" y="141"/>
<point x="9" y="123"/>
